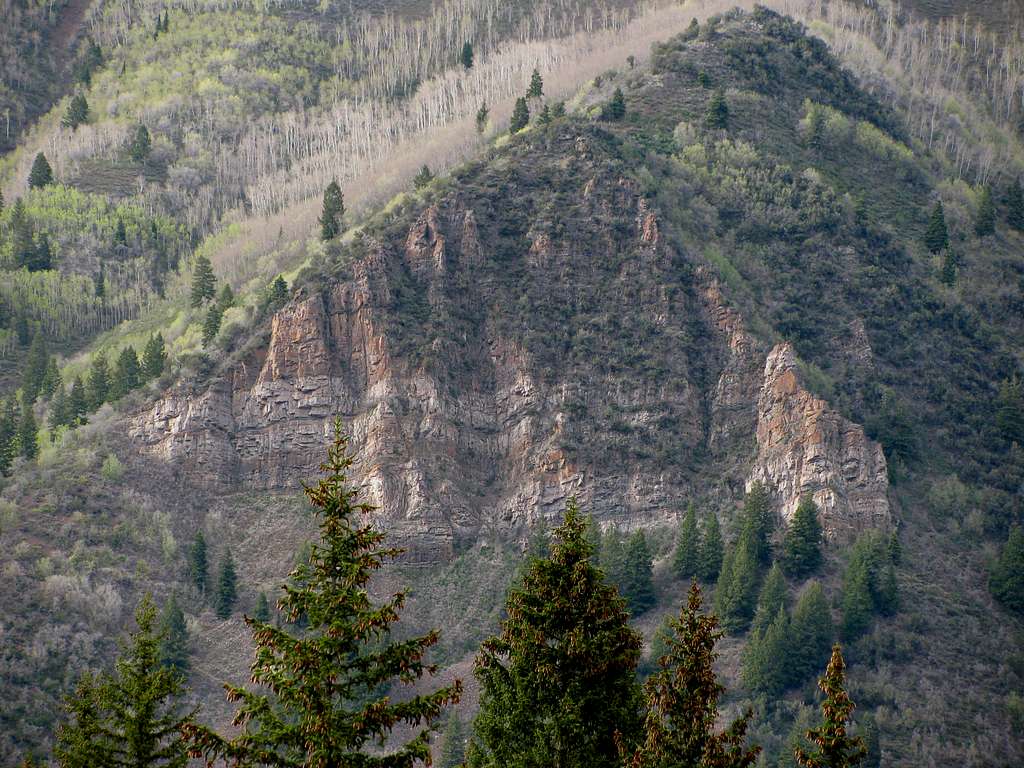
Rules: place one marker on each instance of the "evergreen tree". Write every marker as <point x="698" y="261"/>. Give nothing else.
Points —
<point x="682" y="703"/>
<point x="711" y="551"/>
<point x="811" y="634"/>
<point x="327" y="702"/>
<point x="558" y="683"/>
<point x="948" y="271"/>
<point x="482" y="115"/>
<point x="757" y="522"/>
<point x="687" y="559"/>
<point x="154" y="357"/>
<point x="801" y="549"/>
<point x="35" y="368"/>
<point x="857" y="605"/>
<point x="42" y="256"/>
<point x="771" y="599"/>
<point x="887" y="595"/>
<point x="1006" y="580"/>
<point x="936" y="236"/>
<point x="173" y="637"/>
<point x="198" y="566"/>
<point x="52" y="380"/>
<point x="278" y="293"/>
<point x="41" y="174"/>
<point x="28" y="438"/>
<point x="132" y="718"/>
<point x="466" y="57"/>
<point x="616" y="108"/>
<point x="78" y="402"/>
<point x="141" y="145"/>
<point x="262" y="610"/>
<point x="1015" y="206"/>
<point x="520" y="116"/>
<point x="333" y="210"/>
<point x="120" y="233"/>
<point x="99" y="282"/>
<point x="227" y="587"/>
<point x="717" y="116"/>
<point x="204" y="282"/>
<point x="639" y="592"/>
<point x="796" y="738"/>
<point x="127" y="373"/>
<point x="985" y="221"/>
<point x="895" y="549"/>
<point x="766" y="657"/>
<point x="59" y="412"/>
<point x="736" y="596"/>
<point x="23" y="236"/>
<point x="226" y="299"/>
<point x="423" y="178"/>
<point x="453" y="744"/>
<point x="544" y="118"/>
<point x="536" y="89"/>
<point x="77" y="112"/>
<point x="1010" y="410"/>
<point x="211" y="324"/>
<point x="8" y="433"/>
<point x="868" y="731"/>
<point x="98" y="390"/>
<point x="835" y="748"/>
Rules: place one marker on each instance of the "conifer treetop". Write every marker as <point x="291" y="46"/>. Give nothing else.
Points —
<point x="835" y="747"/>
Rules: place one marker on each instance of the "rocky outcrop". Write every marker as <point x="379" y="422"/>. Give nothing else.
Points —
<point x="804" y="447"/>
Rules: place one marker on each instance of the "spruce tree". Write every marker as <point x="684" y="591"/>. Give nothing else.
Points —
<point x="211" y="324"/>
<point x="985" y="220"/>
<point x="520" y="116"/>
<point x="198" y="565"/>
<point x="99" y="282"/>
<point x="1006" y="580"/>
<point x="1010" y="410"/>
<point x="936" y="236"/>
<point x="895" y="549"/>
<point x="758" y="521"/>
<point x="544" y="118"/>
<point x="466" y="57"/>
<point x="120" y="233"/>
<point x="423" y="178"/>
<point x="35" y="368"/>
<point x="682" y="703"/>
<point x="736" y="596"/>
<point x="42" y="255"/>
<point x="52" y="380"/>
<point x="771" y="598"/>
<point x="857" y="604"/>
<point x="77" y="112"/>
<point x="639" y="592"/>
<point x="811" y="634"/>
<point x="41" y="174"/>
<point x="28" y="438"/>
<point x="227" y="587"/>
<point x="948" y="271"/>
<point x="717" y="116"/>
<point x="59" y="412"/>
<point x="173" y="637"/>
<point x="98" y="390"/>
<point x="9" y="414"/>
<point x="536" y="89"/>
<point x="78" y="402"/>
<point x="711" y="551"/>
<point x="867" y="729"/>
<point x="482" y="116"/>
<point x="132" y="718"/>
<point x="141" y="145"/>
<point x="1015" y="206"/>
<point x="127" y="373"/>
<point x="278" y="293"/>
<point x="687" y="558"/>
<point x="154" y="357"/>
<point x="453" y="743"/>
<point x="833" y="746"/>
<point x="262" y="610"/>
<point x="801" y="549"/>
<point x="558" y="683"/>
<point x="326" y="702"/>
<point x="204" y="282"/>
<point x="23" y="236"/>
<point x="333" y="210"/>
<point x="226" y="298"/>
<point x="615" y="109"/>
<point x="796" y="738"/>
<point x="766" y="657"/>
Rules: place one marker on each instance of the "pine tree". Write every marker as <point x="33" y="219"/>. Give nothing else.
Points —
<point x="59" y="412"/>
<point x="811" y="634"/>
<point x="771" y="599"/>
<point x="639" y="593"/>
<point x="801" y="549"/>
<point x="711" y="551"/>
<point x="98" y="391"/>
<point x="327" y="703"/>
<point x="985" y="221"/>
<point x="333" y="210"/>
<point x="616" y="108"/>
<point x="423" y="178"/>
<point x="766" y="657"/>
<point x="544" y="118"/>
<point x="558" y="682"/>
<point x="857" y="604"/>
<point x="35" y="368"/>
<point x="895" y="549"/>
<point x="887" y="592"/>
<point x="936" y="236"/>
<point x="154" y="357"/>
<point x="948" y="271"/>
<point x="796" y="738"/>
<point x="226" y="299"/>
<point x="682" y="703"/>
<point x="8" y="433"/>
<point x="536" y="89"/>
<point x="211" y="324"/>
<point x="453" y="744"/>
<point x="482" y="115"/>
<point x="757" y="522"/>
<point x="42" y="255"/>
<point x="41" y="174"/>
<point x="120" y="233"/>
<point x="1006" y="580"/>
<point x="227" y="587"/>
<point x="1010" y="410"/>
<point x="99" y="282"/>
<point x="52" y="380"/>
<point x="77" y="112"/>
<point x="141" y="145"/>
<point x="204" y="282"/>
<point x="132" y="718"/>
<point x="687" y="558"/>
<point x="736" y="596"/>
<point x="278" y="293"/>
<point x="1015" y="206"/>
<point x="173" y="637"/>
<point x="717" y="116"/>
<point x="867" y="729"/>
<point x="835" y="748"/>
<point x="198" y="566"/>
<point x="78" y="402"/>
<point x="28" y="438"/>
<point x="262" y="610"/>
<point x="520" y="116"/>
<point x="466" y="57"/>
<point x="127" y="373"/>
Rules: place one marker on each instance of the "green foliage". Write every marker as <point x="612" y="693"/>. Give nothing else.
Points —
<point x="28" y="437"/>
<point x="835" y="748"/>
<point x="423" y="177"/>
<point x="687" y="558"/>
<point x="9" y="417"/>
<point x="41" y="174"/>
<point x="277" y="295"/>
<point x="796" y="738"/>
<point x="204" y="282"/>
<point x="1015" y="206"/>
<point x="453" y="743"/>
<point x="558" y="684"/>
<point x="1010" y="410"/>
<point x="226" y="299"/>
<point x="77" y="112"/>
<point x="60" y="415"/>
<point x="98" y="388"/>
<point x="711" y="551"/>
<point x="132" y="718"/>
<point x="112" y="470"/>
<point x="627" y="565"/>
<point x="615" y="109"/>
<point x="174" y="651"/>
<point x="544" y="118"/>
<point x="482" y="116"/>
<point x="682" y="702"/>
<point x="801" y="549"/>
<point x="127" y="373"/>
<point x="736" y="596"/>
<point x="34" y="372"/>
<point x="766" y="657"/>
<point x="771" y="599"/>
<point x="717" y="115"/>
<point x="948" y="271"/>
<point x="141" y="145"/>
<point x="758" y="519"/>
<point x="810" y="634"/>
<point x="936" y="236"/>
<point x="211" y="324"/>
<point x="985" y="219"/>
<point x="466" y="57"/>
<point x="536" y="89"/>
<point x="198" y="566"/>
<point x="1006" y="579"/>
<point x="324" y="704"/>
<point x="867" y="730"/>
<point x="869" y="584"/>
<point x="154" y="357"/>
<point x="520" y="116"/>
<point x="332" y="212"/>
<point x="262" y="610"/>
<point x="78" y="402"/>
<point x="227" y="587"/>
<point x="52" y="380"/>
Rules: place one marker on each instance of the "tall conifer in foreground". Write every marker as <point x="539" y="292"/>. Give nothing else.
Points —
<point x="323" y="707"/>
<point x="559" y="681"/>
<point x="835" y="747"/>
<point x="682" y="702"/>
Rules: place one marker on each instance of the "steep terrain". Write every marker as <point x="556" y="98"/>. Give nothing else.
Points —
<point x="638" y="312"/>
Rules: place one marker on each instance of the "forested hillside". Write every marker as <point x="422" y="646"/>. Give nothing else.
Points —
<point x="750" y="292"/>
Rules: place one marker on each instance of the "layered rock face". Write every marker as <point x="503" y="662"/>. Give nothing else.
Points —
<point x="486" y="373"/>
